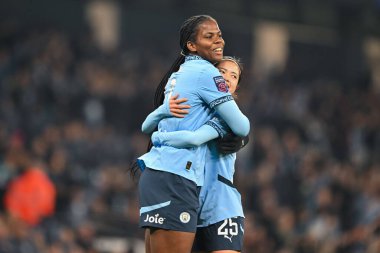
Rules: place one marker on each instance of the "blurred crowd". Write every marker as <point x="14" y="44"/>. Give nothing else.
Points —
<point x="309" y="177"/>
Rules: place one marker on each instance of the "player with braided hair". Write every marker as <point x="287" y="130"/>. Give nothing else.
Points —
<point x="170" y="182"/>
<point x="221" y="218"/>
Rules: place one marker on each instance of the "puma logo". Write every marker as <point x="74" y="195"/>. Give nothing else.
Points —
<point x="229" y="238"/>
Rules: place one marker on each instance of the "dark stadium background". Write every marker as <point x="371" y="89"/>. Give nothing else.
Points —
<point x="77" y="79"/>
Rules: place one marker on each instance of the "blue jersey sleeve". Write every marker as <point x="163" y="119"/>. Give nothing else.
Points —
<point x="213" y="88"/>
<point x="184" y="138"/>
<point x="152" y="120"/>
<point x="219" y="125"/>
<point x="234" y="118"/>
<point x="214" y="91"/>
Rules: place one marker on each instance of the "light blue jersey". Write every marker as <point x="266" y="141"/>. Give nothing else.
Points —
<point x="200" y="82"/>
<point x="219" y="199"/>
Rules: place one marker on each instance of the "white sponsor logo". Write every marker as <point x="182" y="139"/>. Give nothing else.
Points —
<point x="184" y="217"/>
<point x="154" y="219"/>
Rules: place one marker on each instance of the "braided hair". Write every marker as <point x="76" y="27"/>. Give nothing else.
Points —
<point x="187" y="33"/>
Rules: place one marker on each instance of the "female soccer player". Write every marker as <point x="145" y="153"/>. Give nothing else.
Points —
<point x="169" y="184"/>
<point x="220" y="224"/>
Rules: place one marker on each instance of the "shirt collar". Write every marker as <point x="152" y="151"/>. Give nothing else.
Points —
<point x="191" y="57"/>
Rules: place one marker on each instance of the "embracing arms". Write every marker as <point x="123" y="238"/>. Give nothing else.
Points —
<point x="234" y="118"/>
<point x="185" y="138"/>
<point x="173" y="108"/>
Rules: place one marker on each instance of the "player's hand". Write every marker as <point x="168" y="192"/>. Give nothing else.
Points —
<point x="177" y="109"/>
<point x="231" y="143"/>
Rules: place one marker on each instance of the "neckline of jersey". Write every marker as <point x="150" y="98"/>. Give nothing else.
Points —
<point x="193" y="57"/>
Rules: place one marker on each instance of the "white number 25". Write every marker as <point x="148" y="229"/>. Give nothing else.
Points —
<point x="228" y="228"/>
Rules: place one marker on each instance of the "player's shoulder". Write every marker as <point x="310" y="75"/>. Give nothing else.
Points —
<point x="208" y="66"/>
<point x="209" y="71"/>
<point x="200" y="64"/>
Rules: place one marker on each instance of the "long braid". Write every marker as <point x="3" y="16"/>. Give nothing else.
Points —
<point x="187" y="33"/>
<point x="159" y="95"/>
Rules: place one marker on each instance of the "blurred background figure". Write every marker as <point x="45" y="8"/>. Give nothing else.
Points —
<point x="30" y="197"/>
<point x="76" y="81"/>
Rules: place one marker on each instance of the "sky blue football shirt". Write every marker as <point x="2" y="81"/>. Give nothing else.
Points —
<point x="201" y="83"/>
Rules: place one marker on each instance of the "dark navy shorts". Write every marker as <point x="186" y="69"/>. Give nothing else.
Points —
<point x="224" y="235"/>
<point x="168" y="201"/>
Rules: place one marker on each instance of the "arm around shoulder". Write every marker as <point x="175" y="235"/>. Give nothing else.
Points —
<point x="235" y="119"/>
<point x="185" y="139"/>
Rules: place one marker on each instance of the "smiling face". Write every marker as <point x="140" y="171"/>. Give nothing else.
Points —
<point x="208" y="43"/>
<point x="231" y="74"/>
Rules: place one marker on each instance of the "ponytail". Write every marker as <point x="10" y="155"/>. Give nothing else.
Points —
<point x="160" y="90"/>
<point x="159" y="95"/>
<point x="188" y="33"/>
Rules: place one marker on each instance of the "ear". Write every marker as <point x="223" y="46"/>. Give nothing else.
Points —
<point x="191" y="46"/>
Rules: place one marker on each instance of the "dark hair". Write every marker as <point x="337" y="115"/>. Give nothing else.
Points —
<point x="235" y="60"/>
<point x="187" y="32"/>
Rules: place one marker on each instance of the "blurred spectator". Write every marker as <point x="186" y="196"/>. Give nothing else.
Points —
<point x="30" y="197"/>
<point x="310" y="177"/>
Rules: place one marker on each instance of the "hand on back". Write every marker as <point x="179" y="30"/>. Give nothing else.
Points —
<point x="177" y="108"/>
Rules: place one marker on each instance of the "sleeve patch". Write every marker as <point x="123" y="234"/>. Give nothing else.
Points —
<point x="220" y="84"/>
